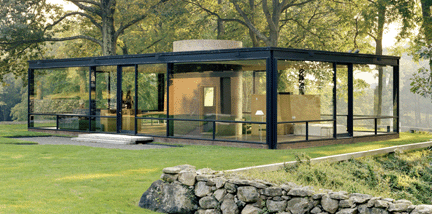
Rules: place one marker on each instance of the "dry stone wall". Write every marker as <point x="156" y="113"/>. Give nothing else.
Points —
<point x="183" y="189"/>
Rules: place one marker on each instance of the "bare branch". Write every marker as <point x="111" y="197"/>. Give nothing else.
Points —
<point x="122" y="28"/>
<point x="295" y="4"/>
<point x="86" y="1"/>
<point x="87" y="8"/>
<point x="16" y="44"/>
<point x="72" y="14"/>
<point x="268" y="16"/>
<point x="249" y="23"/>
<point x="217" y="15"/>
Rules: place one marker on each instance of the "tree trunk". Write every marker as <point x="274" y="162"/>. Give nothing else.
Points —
<point x="252" y="35"/>
<point x="109" y="42"/>
<point x="220" y="26"/>
<point x="379" y="51"/>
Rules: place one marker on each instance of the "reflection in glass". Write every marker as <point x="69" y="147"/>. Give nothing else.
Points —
<point x="218" y="91"/>
<point x="305" y="93"/>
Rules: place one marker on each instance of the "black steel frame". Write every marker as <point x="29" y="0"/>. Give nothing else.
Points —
<point x="270" y="54"/>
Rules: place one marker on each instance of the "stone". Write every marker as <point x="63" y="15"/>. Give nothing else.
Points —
<point x="348" y="203"/>
<point x="339" y="195"/>
<point x="317" y="196"/>
<point x="250" y="209"/>
<point x="347" y="211"/>
<point x="364" y="209"/>
<point x="301" y="192"/>
<point x="400" y="206"/>
<point x="272" y="191"/>
<point x="219" y="194"/>
<point x="208" y="202"/>
<point x="201" y="189"/>
<point x="172" y="170"/>
<point x="378" y="211"/>
<point x="372" y="201"/>
<point x="209" y="211"/>
<point x="229" y="206"/>
<point x="169" y="198"/>
<point x="230" y="187"/>
<point x="276" y="206"/>
<point x="299" y="205"/>
<point x="187" y="177"/>
<point x="240" y="182"/>
<point x="210" y="182"/>
<point x="359" y="198"/>
<point x="316" y="210"/>
<point x="169" y="177"/>
<point x="328" y="204"/>
<point x="247" y="194"/>
<point x="240" y="204"/>
<point x="422" y="209"/>
<point x="258" y="185"/>
<point x="219" y="182"/>
<point x="203" y="177"/>
<point x="286" y="198"/>
<point x="381" y="204"/>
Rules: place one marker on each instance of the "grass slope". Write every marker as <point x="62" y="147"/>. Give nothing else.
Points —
<point x="78" y="179"/>
<point x="396" y="175"/>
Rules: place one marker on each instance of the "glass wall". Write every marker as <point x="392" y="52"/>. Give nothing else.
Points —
<point x="104" y="96"/>
<point x="152" y="99"/>
<point x="305" y="101"/>
<point x="373" y="99"/>
<point x="220" y="99"/>
<point x="60" y="97"/>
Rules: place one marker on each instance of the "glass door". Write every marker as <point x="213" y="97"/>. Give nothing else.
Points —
<point x="127" y="97"/>
<point x="342" y="101"/>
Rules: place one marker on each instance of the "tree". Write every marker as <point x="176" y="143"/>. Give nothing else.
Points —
<point x="27" y="25"/>
<point x="422" y="49"/>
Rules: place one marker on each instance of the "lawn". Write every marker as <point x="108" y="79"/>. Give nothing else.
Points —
<point x="77" y="179"/>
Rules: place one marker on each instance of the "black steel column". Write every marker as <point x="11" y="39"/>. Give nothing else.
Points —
<point x="119" y="98"/>
<point x="396" y="98"/>
<point x="92" y="97"/>
<point x="271" y="121"/>
<point x="350" y="121"/>
<point x="170" y="123"/>
<point x="161" y="91"/>
<point x="136" y="100"/>
<point x="30" y="98"/>
<point x="334" y="100"/>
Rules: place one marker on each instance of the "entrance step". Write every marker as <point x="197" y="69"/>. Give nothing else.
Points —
<point x="112" y="138"/>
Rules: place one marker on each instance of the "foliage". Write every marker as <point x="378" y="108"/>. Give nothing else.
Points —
<point x="395" y="175"/>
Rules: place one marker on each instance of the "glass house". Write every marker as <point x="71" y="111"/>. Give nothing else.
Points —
<point x="254" y="97"/>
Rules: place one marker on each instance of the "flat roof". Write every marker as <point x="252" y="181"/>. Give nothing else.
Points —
<point x="218" y="55"/>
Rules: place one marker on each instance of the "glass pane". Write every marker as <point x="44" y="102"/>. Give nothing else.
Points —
<point x="106" y="99"/>
<point x="128" y="99"/>
<point x="44" y="121"/>
<point x="305" y="93"/>
<point x="208" y="96"/>
<point x="60" y="91"/>
<point x="155" y="127"/>
<point x="217" y="91"/>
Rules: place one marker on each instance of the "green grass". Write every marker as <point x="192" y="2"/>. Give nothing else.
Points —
<point x="395" y="175"/>
<point x="78" y="179"/>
